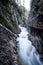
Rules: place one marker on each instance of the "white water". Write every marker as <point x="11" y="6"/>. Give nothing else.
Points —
<point x="27" y="51"/>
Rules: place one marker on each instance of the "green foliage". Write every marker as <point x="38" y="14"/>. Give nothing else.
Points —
<point x="5" y="9"/>
<point x="4" y="22"/>
<point x="22" y="9"/>
<point x="6" y="12"/>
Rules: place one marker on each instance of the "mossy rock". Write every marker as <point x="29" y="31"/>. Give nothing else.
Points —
<point x="4" y="22"/>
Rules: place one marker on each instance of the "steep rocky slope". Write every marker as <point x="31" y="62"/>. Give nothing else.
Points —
<point x="9" y="30"/>
<point x="8" y="48"/>
<point x="8" y="15"/>
<point x="35" y="22"/>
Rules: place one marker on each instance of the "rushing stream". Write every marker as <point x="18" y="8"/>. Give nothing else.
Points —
<point x="27" y="51"/>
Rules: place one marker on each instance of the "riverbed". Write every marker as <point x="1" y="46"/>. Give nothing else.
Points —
<point x="27" y="51"/>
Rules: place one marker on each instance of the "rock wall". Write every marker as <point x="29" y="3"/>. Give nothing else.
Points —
<point x="8" y="49"/>
<point x="35" y="23"/>
<point x="36" y="12"/>
<point x="8" y="15"/>
<point x="9" y="30"/>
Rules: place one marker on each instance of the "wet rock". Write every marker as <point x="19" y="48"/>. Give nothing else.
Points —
<point x="36" y="24"/>
<point x="8" y="50"/>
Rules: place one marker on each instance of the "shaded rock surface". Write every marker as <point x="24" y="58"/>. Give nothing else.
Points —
<point x="8" y="15"/>
<point x="9" y="31"/>
<point x="35" y="22"/>
<point x="8" y="49"/>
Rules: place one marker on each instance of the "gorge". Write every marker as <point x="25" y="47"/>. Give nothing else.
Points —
<point x="21" y="38"/>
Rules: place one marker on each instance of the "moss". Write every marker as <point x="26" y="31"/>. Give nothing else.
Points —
<point x="4" y="22"/>
<point x="20" y="9"/>
<point x="6" y="12"/>
<point x="5" y="9"/>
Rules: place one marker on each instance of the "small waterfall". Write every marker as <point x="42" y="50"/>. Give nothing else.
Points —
<point x="27" y="51"/>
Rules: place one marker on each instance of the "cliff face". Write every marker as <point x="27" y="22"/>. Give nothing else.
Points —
<point x="36" y="12"/>
<point x="8" y="48"/>
<point x="9" y="13"/>
<point x="35" y="22"/>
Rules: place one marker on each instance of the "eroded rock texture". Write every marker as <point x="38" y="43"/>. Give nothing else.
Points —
<point x="8" y="32"/>
<point x="8" y="15"/>
<point x="35" y="22"/>
<point x="8" y="49"/>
